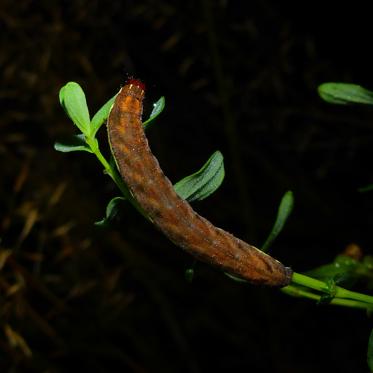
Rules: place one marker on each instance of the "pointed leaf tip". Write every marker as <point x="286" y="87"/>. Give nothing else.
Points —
<point x="112" y="211"/>
<point x="345" y="93"/>
<point x="75" y="143"/>
<point x="157" y="109"/>
<point x="284" y="210"/>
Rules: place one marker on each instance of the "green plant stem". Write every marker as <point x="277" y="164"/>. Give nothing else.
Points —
<point x="296" y="291"/>
<point x="108" y="169"/>
<point x="299" y="292"/>
<point x="308" y="282"/>
<point x="348" y="294"/>
<point x="342" y="296"/>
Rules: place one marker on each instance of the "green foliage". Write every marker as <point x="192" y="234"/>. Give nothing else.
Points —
<point x="342" y="269"/>
<point x="284" y="210"/>
<point x="204" y="182"/>
<point x="100" y="117"/>
<point x="112" y="211"/>
<point x="157" y="109"/>
<point x="235" y="278"/>
<point x="343" y="93"/>
<point x="72" y="99"/>
<point x="330" y="292"/>
<point x="197" y="186"/>
<point x="321" y="284"/>
<point x="75" y="143"/>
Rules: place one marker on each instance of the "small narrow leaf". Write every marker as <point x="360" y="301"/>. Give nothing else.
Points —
<point x="370" y="352"/>
<point x="284" y="210"/>
<point x="330" y="292"/>
<point x="204" y="182"/>
<point x="100" y="117"/>
<point x="234" y="278"/>
<point x="157" y="109"/>
<point x="75" y="143"/>
<point x="343" y="93"/>
<point x="73" y="100"/>
<point x="112" y="211"/>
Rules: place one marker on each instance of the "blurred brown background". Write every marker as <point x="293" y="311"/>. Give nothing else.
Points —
<point x="240" y="77"/>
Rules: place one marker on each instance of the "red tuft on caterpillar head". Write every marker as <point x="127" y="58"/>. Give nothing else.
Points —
<point x="136" y="82"/>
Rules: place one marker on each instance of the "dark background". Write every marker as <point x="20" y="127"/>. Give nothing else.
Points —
<point x="240" y="77"/>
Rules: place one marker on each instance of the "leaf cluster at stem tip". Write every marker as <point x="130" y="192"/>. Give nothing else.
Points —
<point x="194" y="187"/>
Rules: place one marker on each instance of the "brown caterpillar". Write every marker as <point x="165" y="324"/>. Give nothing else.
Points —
<point x="174" y="216"/>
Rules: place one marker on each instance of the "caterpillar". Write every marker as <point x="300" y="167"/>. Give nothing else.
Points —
<point x="171" y="214"/>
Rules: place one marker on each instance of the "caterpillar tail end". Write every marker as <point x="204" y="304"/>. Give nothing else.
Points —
<point x="288" y="276"/>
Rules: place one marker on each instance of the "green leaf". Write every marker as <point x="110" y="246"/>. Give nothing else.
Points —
<point x="330" y="292"/>
<point x="157" y="109"/>
<point x="100" y="117"/>
<point x="204" y="182"/>
<point x="112" y="211"/>
<point x="343" y="93"/>
<point x="284" y="210"/>
<point x="73" y="100"/>
<point x="75" y="143"/>
<point x="342" y="269"/>
<point x="370" y="352"/>
<point x="234" y="278"/>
